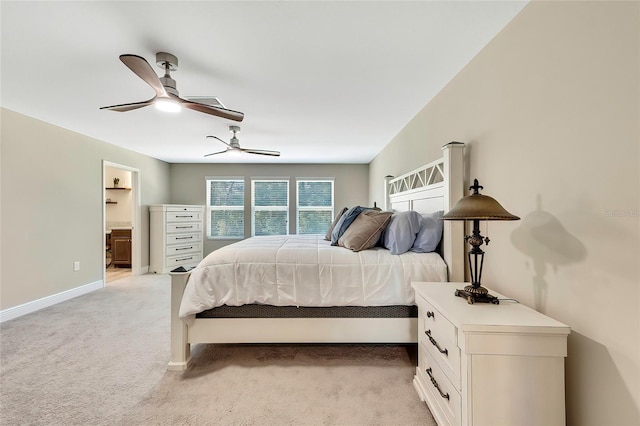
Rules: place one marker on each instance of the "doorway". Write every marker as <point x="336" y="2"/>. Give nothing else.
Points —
<point x="121" y="221"/>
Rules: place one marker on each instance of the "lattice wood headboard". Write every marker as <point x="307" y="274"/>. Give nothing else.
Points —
<point x="433" y="187"/>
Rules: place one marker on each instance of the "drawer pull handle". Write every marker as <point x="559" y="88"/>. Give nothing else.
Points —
<point x="434" y="383"/>
<point x="185" y="216"/>
<point x="186" y="258"/>
<point x="184" y="248"/>
<point x="184" y="238"/>
<point x="430" y="314"/>
<point x="184" y="227"/>
<point x="434" y="343"/>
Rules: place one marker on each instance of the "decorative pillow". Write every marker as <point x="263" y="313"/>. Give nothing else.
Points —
<point x="365" y="230"/>
<point x="429" y="234"/>
<point x="333" y="225"/>
<point x="343" y="223"/>
<point x="401" y="232"/>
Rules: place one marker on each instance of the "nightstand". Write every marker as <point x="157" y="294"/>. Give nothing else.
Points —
<point x="488" y="364"/>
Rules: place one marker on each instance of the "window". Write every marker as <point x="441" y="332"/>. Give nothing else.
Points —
<point x="269" y="207"/>
<point x="225" y="208"/>
<point x="315" y="206"/>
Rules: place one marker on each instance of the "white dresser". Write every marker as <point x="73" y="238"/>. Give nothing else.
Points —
<point x="486" y="364"/>
<point x="176" y="236"/>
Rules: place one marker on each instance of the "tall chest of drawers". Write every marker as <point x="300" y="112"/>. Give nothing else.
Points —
<point x="176" y="236"/>
<point x="486" y="364"/>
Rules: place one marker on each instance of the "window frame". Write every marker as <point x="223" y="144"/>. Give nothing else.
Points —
<point x="300" y="208"/>
<point x="210" y="208"/>
<point x="255" y="208"/>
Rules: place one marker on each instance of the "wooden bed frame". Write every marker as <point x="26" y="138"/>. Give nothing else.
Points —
<point x="433" y="187"/>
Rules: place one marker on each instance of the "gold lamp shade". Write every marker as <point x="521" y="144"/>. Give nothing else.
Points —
<point x="478" y="206"/>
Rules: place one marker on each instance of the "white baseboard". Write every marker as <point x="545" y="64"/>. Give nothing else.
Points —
<point x="144" y="270"/>
<point x="36" y="305"/>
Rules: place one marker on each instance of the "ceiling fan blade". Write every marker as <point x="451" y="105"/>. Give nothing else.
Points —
<point x="129" y="107"/>
<point x="142" y="69"/>
<point x="206" y="100"/>
<point x="216" y="153"/>
<point x="215" y="137"/>
<point x="260" y="151"/>
<point x="208" y="109"/>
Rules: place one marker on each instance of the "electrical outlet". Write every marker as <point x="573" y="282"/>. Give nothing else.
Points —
<point x="76" y="266"/>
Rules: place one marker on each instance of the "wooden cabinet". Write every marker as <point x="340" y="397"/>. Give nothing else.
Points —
<point x="176" y="236"/>
<point x="121" y="247"/>
<point x="486" y="364"/>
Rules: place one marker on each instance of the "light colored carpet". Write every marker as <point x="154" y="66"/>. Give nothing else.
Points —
<point x="100" y="359"/>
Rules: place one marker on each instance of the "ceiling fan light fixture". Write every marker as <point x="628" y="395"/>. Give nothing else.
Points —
<point x="167" y="105"/>
<point x="165" y="89"/>
<point x="234" y="152"/>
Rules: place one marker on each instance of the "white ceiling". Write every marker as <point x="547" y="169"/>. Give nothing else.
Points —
<point x="322" y="82"/>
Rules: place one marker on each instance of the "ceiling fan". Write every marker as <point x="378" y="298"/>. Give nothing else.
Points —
<point x="167" y="96"/>
<point x="234" y="145"/>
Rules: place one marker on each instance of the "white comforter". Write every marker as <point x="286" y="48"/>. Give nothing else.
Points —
<point x="305" y="270"/>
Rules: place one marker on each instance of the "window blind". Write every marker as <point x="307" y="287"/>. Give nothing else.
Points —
<point x="314" y="212"/>
<point x="269" y="207"/>
<point x="225" y="208"/>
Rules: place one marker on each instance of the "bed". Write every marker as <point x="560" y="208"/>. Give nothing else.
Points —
<point x="352" y="309"/>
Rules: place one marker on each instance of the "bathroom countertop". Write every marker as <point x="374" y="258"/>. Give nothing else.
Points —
<point x="120" y="224"/>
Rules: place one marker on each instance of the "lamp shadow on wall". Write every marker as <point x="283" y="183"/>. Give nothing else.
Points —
<point x="541" y="237"/>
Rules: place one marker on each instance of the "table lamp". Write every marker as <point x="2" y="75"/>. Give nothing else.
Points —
<point x="477" y="207"/>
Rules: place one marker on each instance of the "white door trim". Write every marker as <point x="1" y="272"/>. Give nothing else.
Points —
<point x="136" y="234"/>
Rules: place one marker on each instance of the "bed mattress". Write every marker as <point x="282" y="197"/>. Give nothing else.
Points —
<point x="305" y="270"/>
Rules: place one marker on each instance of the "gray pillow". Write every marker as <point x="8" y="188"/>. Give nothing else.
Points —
<point x="401" y="231"/>
<point x="429" y="234"/>
<point x="365" y="230"/>
<point x="333" y="225"/>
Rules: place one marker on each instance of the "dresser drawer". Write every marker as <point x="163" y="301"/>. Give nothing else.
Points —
<point x="183" y="259"/>
<point x="442" y="396"/>
<point x="446" y="354"/>
<point x="439" y="336"/>
<point x="184" y="216"/>
<point x="184" y="227"/>
<point x="441" y="328"/>
<point x="179" y="208"/>
<point x="183" y="238"/>
<point x="184" y="249"/>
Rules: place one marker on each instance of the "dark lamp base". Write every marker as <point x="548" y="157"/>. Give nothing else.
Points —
<point x="477" y="295"/>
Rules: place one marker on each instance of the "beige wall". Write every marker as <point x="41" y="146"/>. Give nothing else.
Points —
<point x="51" y="182"/>
<point x="350" y="187"/>
<point x="550" y="112"/>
